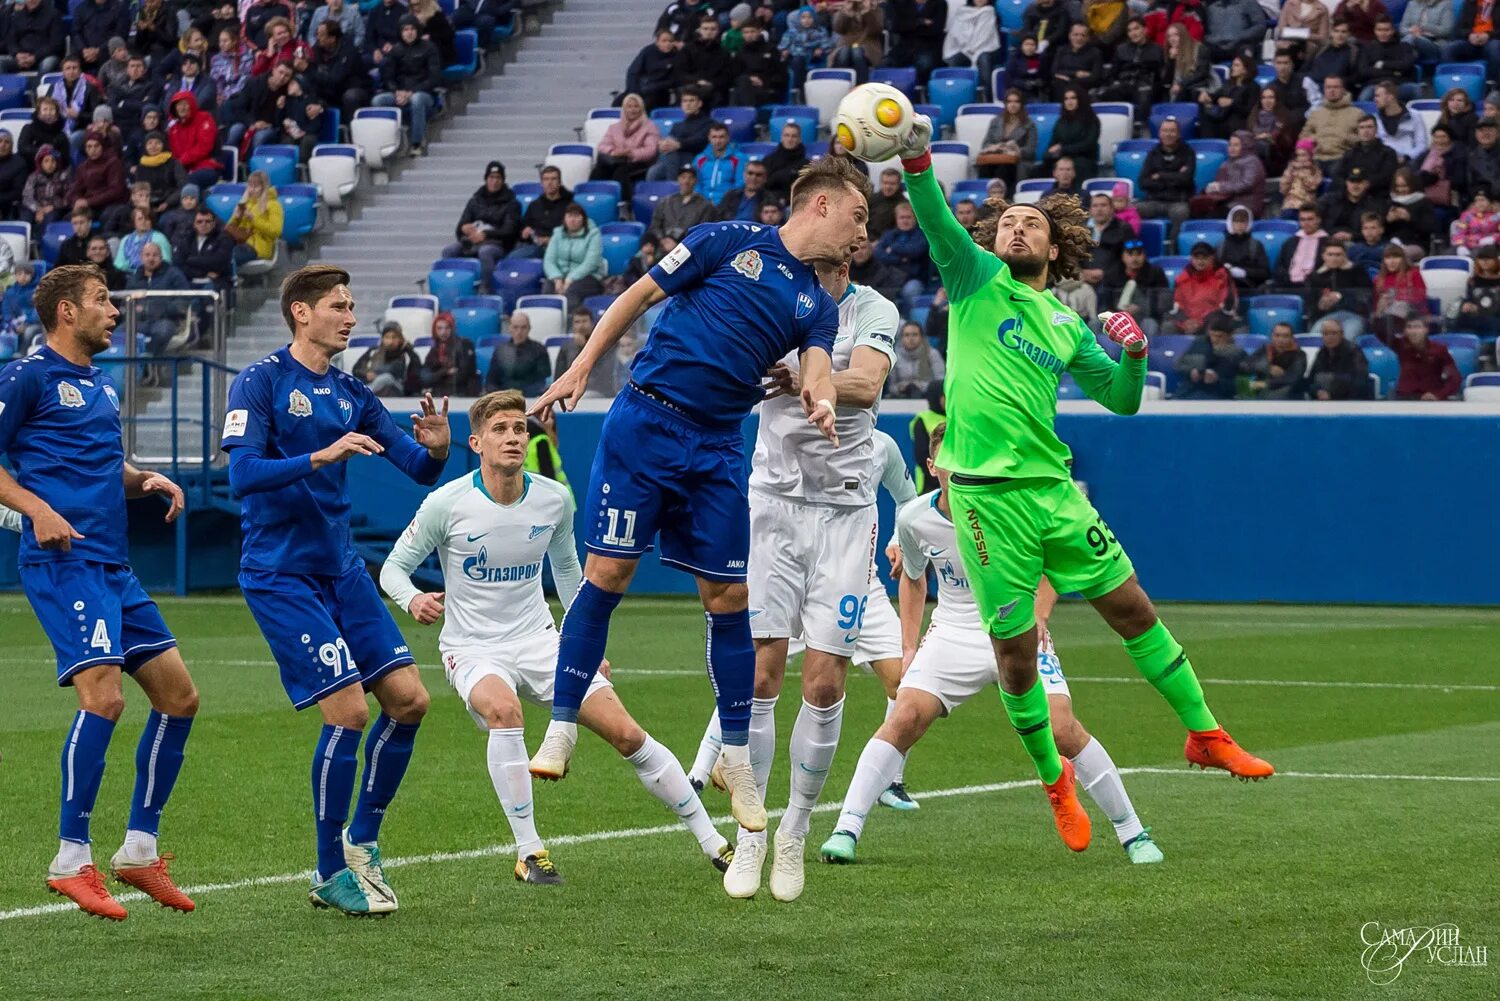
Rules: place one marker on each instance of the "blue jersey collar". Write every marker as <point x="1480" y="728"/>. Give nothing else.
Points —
<point x="58" y="359"/>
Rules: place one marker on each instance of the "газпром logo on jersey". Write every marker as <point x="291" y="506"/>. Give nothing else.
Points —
<point x="1010" y="336"/>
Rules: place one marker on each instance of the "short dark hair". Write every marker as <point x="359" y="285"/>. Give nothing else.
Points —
<point x="935" y="438"/>
<point x="550" y="169"/>
<point x="63" y="284"/>
<point x="1370" y="217"/>
<point x="584" y="311"/>
<point x="1384" y="19"/>
<point x="334" y="29"/>
<point x="719" y="127"/>
<point x="1365" y="118"/>
<point x="71" y="57"/>
<point x="1334" y="241"/>
<point x="830" y="173"/>
<point x="205" y="210"/>
<point x="1311" y="208"/>
<point x="308" y="285"/>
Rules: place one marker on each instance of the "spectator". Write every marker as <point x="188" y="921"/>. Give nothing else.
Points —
<point x="44" y="197"/>
<point x="158" y="168"/>
<point x="628" y="148"/>
<point x="1277" y="370"/>
<point x="390" y="368"/>
<point x="604" y="378"/>
<point x="1187" y="69"/>
<point x="785" y="161"/>
<point x="1377" y="160"/>
<point x="1334" y="124"/>
<point x="76" y="99"/>
<point x="883" y="202"/>
<point x="703" y="66"/>
<point x="1386" y="57"/>
<point x="1106" y="22"/>
<point x="13" y="171"/>
<point x="805" y="44"/>
<point x="336" y="75"/>
<point x="409" y="74"/>
<point x="966" y="212"/>
<point x="95" y="22"/>
<point x="264" y="98"/>
<point x="1428" y="371"/>
<point x="129" y="99"/>
<point x="1397" y="126"/>
<point x="33" y="38"/>
<point x="903" y="248"/>
<point x="687" y="139"/>
<point x="101" y="257"/>
<point x="256" y="222"/>
<point x="1297" y="92"/>
<point x="1400" y="294"/>
<point x="1361" y="16"/>
<point x="543" y="215"/>
<point x="644" y="260"/>
<point x="1339" y="291"/>
<point x="46" y="128"/>
<point x="1047" y="21"/>
<point x="1203" y="288"/>
<point x="260" y="14"/>
<point x="1301" y="179"/>
<point x="1458" y="115"/>
<point x="1065" y="178"/>
<point x="434" y="26"/>
<point x="74" y="249"/>
<point x="1166" y="178"/>
<point x="134" y="145"/>
<point x="99" y="179"/>
<point x="652" y="72"/>
<point x="1476" y="39"/>
<point x="347" y="17"/>
<point x="1369" y="249"/>
<point x="1409" y="220"/>
<point x="1137" y="287"/>
<point x="745" y="202"/>
<point x="206" y="254"/>
<point x="1274" y="129"/>
<point x="1078" y="295"/>
<point x="1026" y="70"/>
<point x="490" y="224"/>
<point x="1241" y="253"/>
<point x="1427" y="25"/>
<point x="1240" y="178"/>
<point x="519" y="363"/>
<point x="859" y="27"/>
<point x="382" y="31"/>
<point x="676" y="215"/>
<point x="1108" y="231"/>
<point x="159" y="317"/>
<point x="1342" y="210"/>
<point x="721" y="166"/>
<point x="17" y="311"/>
<point x="574" y="261"/>
<point x="192" y="137"/>
<point x="1482" y="161"/>
<point x="1478" y="311"/>
<point x="112" y="72"/>
<point x="1075" y="134"/>
<point x="1304" y="21"/>
<point x="301" y="119"/>
<point x="484" y="16"/>
<point x="1210" y="366"/>
<point x="1136" y="69"/>
<point x="193" y="78"/>
<point x="1444" y="169"/>
<point x="759" y="76"/>
<point x="866" y="269"/>
<point x="1232" y="27"/>
<point x="143" y="231"/>
<point x="1479" y="225"/>
<point x="230" y="69"/>
<point x="449" y="368"/>
<point x="1340" y="371"/>
<point x="918" y="27"/>
<point x="1338" y="58"/>
<point x="916" y="366"/>
<point x="1301" y="255"/>
<point x="1228" y="110"/>
<point x="1079" y="64"/>
<point x="1010" y="140"/>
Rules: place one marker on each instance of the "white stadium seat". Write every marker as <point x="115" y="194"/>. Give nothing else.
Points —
<point x="972" y="123"/>
<point x="824" y="89"/>
<point x="546" y="313"/>
<point x="18" y="235"/>
<point x="334" y="167"/>
<point x="377" y="132"/>
<point x="950" y="163"/>
<point x="415" y="313"/>
<point x="1446" y="278"/>
<point x="575" y="160"/>
<point x="1116" y="124"/>
<point x="598" y="123"/>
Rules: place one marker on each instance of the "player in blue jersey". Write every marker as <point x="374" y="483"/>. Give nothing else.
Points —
<point x="671" y="461"/>
<point x="293" y="422"/>
<point x="60" y="427"/>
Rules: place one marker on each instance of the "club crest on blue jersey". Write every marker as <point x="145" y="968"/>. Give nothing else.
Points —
<point x="805" y="304"/>
<point x="114" y="398"/>
<point x="749" y="264"/>
<point x="69" y="395"/>
<point x="299" y="405"/>
<point x="346" y="409"/>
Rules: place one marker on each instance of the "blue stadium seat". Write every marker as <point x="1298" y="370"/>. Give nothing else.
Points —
<point x="1252" y="343"/>
<point x="1165" y="349"/>
<point x="1186" y="115"/>
<point x="513" y="279"/>
<point x="484" y="351"/>
<point x="52" y="238"/>
<point x="920" y="306"/>
<point x="950" y="88"/>
<point x="1193" y="230"/>
<point x="279" y="163"/>
<point x="1469" y="76"/>
<point x="1130" y="157"/>
<point x="1465" y="351"/>
<point x="526" y="192"/>
<point x="330" y="125"/>
<point x="466" y="61"/>
<point x="1211" y="154"/>
<point x="804" y="115"/>
<point x="1272" y="234"/>
<point x="475" y="323"/>
<point x="222" y="198"/>
<point x="1045" y="117"/>
<point x="597" y="304"/>
<point x="932" y="111"/>
<point x="1264" y="74"/>
<point x="1265" y="311"/>
<point x="1384" y="366"/>
<point x="1172" y="266"/>
<point x="13" y="87"/>
<point x="1154" y="236"/>
<point x="600" y="200"/>
<point x="451" y="278"/>
<point x="903" y="78"/>
<point x="495" y="302"/>
<point x="666" y="117"/>
<point x="739" y="119"/>
<point x="757" y="151"/>
<point x="1011" y="14"/>
<point x="299" y="212"/>
<point x="647" y="194"/>
<point x="8" y="345"/>
<point x="621" y="241"/>
<point x="977" y="190"/>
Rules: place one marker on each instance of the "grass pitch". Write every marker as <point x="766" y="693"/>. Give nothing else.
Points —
<point x="1263" y="895"/>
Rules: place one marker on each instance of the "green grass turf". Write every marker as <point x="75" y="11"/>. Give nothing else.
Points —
<point x="1262" y="896"/>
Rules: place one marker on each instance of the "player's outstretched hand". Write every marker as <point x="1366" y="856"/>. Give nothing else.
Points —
<point x="427" y="608"/>
<point x="1124" y="331"/>
<point x="351" y="444"/>
<point x="53" y="531"/>
<point x="430" y="427"/>
<point x="821" y="413"/>
<point x="916" y="142"/>
<point x="604" y="669"/>
<point x="156" y="483"/>
<point x="782" y="381"/>
<point x="893" y="554"/>
<point x="566" y="390"/>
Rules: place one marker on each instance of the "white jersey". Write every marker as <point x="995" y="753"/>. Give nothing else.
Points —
<point x="10" y="520"/>
<point x="792" y="458"/>
<point x="492" y="558"/>
<point x="925" y="536"/>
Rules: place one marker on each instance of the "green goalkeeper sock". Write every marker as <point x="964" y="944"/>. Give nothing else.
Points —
<point x="1162" y="661"/>
<point x="1033" y="722"/>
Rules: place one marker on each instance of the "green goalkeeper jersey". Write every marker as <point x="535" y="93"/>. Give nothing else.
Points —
<point x="1008" y="345"/>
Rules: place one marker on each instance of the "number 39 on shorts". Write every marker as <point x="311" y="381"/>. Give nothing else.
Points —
<point x="1101" y="540"/>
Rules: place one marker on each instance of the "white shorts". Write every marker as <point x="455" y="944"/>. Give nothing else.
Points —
<point x="880" y="635"/>
<point x="810" y="571"/>
<point x="527" y="666"/>
<point x="953" y="664"/>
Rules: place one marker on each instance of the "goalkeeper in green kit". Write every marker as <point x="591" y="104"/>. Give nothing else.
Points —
<point x="1017" y="510"/>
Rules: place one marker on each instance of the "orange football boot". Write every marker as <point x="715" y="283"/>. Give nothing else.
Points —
<point x="1072" y="820"/>
<point x="153" y="881"/>
<point x="1216" y="749"/>
<point x="86" y="889"/>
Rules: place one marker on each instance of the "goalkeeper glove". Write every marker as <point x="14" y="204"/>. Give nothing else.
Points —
<point x="914" y="149"/>
<point x="1124" y="331"/>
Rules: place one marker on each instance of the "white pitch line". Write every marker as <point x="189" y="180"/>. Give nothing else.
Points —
<point x="641" y="832"/>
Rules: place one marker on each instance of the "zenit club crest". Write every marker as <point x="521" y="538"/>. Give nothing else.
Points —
<point x="748" y="263"/>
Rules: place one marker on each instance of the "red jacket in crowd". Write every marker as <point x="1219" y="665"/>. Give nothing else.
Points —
<point x="1426" y="369"/>
<point x="1199" y="293"/>
<point x="194" y="137"/>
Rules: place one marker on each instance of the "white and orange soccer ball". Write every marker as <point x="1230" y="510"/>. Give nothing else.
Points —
<point x="872" y="120"/>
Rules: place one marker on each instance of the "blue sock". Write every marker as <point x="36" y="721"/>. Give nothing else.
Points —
<point x="333" y="767"/>
<point x="585" y="630"/>
<point x="158" y="759"/>
<point x="82" y="771"/>
<point x="387" y="753"/>
<point x="731" y="668"/>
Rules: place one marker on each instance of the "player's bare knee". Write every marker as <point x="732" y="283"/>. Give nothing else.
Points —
<point x="903" y="728"/>
<point x="723" y="598"/>
<point x="110" y="705"/>
<point x="410" y="706"/>
<point x="627" y="738"/>
<point x="1070" y="736"/>
<point x="822" y="691"/>
<point x="1016" y="658"/>
<point x="767" y="686"/>
<point x="183" y="702"/>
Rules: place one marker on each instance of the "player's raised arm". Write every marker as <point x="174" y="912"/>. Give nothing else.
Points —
<point x="912" y="589"/>
<point x="421" y="454"/>
<point x="963" y="266"/>
<point x="17" y="398"/>
<point x="1117" y="387"/>
<point x="621" y="315"/>
<point x="421" y="537"/>
<point x="562" y="552"/>
<point x="143" y="483"/>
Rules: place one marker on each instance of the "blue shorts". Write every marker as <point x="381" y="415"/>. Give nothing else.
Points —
<point x="656" y="473"/>
<point x="95" y="613"/>
<point x="326" y="633"/>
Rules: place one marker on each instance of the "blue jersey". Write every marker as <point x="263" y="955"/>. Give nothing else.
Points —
<point x="740" y="302"/>
<point x="60" y="425"/>
<point x="294" y="519"/>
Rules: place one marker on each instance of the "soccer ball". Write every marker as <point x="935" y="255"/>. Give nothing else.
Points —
<point x="872" y="120"/>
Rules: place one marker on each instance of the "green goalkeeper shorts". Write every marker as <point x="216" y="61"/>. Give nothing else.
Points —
<point x="1010" y="534"/>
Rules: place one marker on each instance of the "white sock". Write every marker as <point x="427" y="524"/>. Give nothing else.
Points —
<point x="708" y="751"/>
<point x="890" y="707"/>
<point x="1101" y="780"/>
<point x="140" y="846"/>
<point x="512" y="782"/>
<point x="878" y="762"/>
<point x="815" y="739"/>
<point x="72" y="856"/>
<point x="762" y="751"/>
<point x="663" y="777"/>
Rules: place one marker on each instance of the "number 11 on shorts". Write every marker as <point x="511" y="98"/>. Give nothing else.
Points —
<point x="614" y="537"/>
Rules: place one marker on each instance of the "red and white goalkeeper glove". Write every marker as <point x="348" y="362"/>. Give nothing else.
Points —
<point x="916" y="146"/>
<point x="1124" y="331"/>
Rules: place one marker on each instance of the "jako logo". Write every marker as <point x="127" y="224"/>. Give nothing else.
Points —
<point x="475" y="569"/>
<point x="1010" y="336"/>
<point x="972" y="516"/>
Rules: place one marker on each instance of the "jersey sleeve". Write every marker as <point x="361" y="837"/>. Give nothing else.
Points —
<point x="964" y="267"/>
<point x="401" y="449"/>
<point x="428" y="528"/>
<point x="20" y="390"/>
<point x="823" y="329"/>
<point x="562" y="552"/>
<point x="1115" y="385"/>
<point x="877" y="321"/>
<point x="894" y="474"/>
<point x="702" y="250"/>
<point x="248" y="421"/>
<point x="913" y="556"/>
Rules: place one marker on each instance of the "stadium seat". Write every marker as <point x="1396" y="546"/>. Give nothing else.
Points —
<point x="950" y="163"/>
<point x="279" y="163"/>
<point x="13" y="120"/>
<point x="1011" y="14"/>
<point x="1265" y="311"/>
<point x="358" y="345"/>
<point x="597" y="304"/>
<point x="739" y="119"/>
<point x="1194" y="230"/>
<point x="554" y="347"/>
<point x="1116" y="124"/>
<point x="1154" y="236"/>
<point x="547" y="313"/>
<point x="484" y="352"/>
<point x="1106" y="185"/>
<point x="575" y="160"/>
<point x="330" y="125"/>
<point x="415" y="313"/>
<point x="334" y="168"/>
<point x="1465" y="351"/>
<point x="451" y="278"/>
<point x="804" y="115"/>
<point x="52" y="238"/>
<point x="1032" y="189"/>
<point x="222" y="198"/>
<point x="1272" y="234"/>
<point x="1130" y="157"/>
<point x="934" y="114"/>
<point x="973" y="122"/>
<point x="299" y="212"/>
<point x="972" y="189"/>
<point x="903" y="78"/>
<point x="598" y="123"/>
<point x="1264" y="74"/>
<point x="1172" y="266"/>
<point x="466" y="57"/>
<point x="475" y="323"/>
<point x="950" y="88"/>
<point x="1482" y="387"/>
<point x="920" y="306"/>
<point x="621" y="242"/>
<point x="647" y="194"/>
<point x="1252" y="343"/>
<point x="666" y="117"/>
<point x="13" y="88"/>
<point x="1446" y="278"/>
<point x="1186" y="115"/>
<point x="1211" y="154"/>
<point x="600" y="200"/>
<point x="1468" y="76"/>
<point x="1385" y="369"/>
<point x="18" y="235"/>
<point x="527" y="192"/>
<point x="495" y="302"/>
<point x="377" y="132"/>
<point x="229" y="156"/>
<point x="514" y="279"/>
<point x="1428" y="109"/>
<point x="1045" y="117"/>
<point x="824" y="89"/>
<point x="757" y="151"/>
<point x="1164" y="351"/>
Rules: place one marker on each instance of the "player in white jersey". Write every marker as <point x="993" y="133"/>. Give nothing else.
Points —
<point x="955" y="661"/>
<point x="491" y="529"/>
<point x="812" y="545"/>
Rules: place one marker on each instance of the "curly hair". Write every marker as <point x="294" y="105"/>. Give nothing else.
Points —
<point x="1070" y="232"/>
